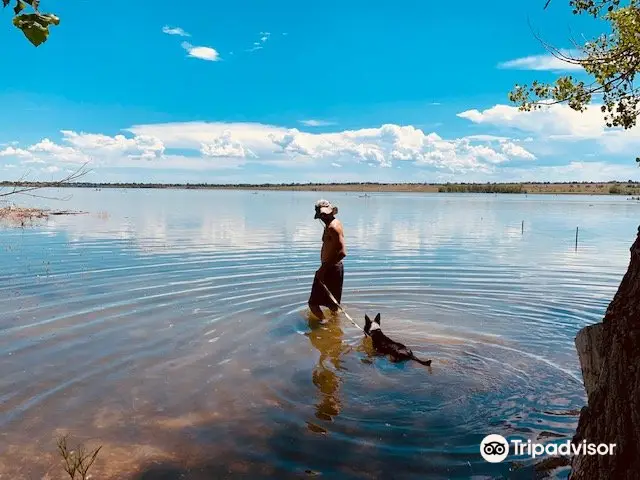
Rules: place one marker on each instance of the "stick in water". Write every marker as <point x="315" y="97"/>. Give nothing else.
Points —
<point x="333" y="299"/>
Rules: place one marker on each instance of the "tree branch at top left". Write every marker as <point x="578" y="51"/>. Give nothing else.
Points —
<point x="21" y="187"/>
<point x="35" y="25"/>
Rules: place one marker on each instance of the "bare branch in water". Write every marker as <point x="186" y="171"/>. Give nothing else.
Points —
<point x="76" y="461"/>
<point x="17" y="190"/>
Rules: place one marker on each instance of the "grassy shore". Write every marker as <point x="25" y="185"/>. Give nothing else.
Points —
<point x="593" y="188"/>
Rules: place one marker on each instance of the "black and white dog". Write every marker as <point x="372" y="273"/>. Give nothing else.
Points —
<point x="383" y="345"/>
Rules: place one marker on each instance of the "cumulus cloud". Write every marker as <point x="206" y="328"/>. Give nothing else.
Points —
<point x="191" y="135"/>
<point x="231" y="145"/>
<point x="15" y="152"/>
<point x="226" y="147"/>
<point x="545" y="62"/>
<point x="144" y="147"/>
<point x="79" y="148"/>
<point x="388" y="143"/>
<point x="559" y="122"/>
<point x="513" y="150"/>
<point x="48" y="149"/>
<point x="175" y="31"/>
<point x="203" y="53"/>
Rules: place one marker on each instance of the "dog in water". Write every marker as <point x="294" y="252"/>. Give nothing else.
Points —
<point x="383" y="345"/>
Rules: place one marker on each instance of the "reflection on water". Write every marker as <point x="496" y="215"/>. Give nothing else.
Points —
<point x="170" y="326"/>
<point x="327" y="338"/>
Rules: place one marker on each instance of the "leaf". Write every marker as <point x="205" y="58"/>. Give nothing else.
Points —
<point x="20" y="5"/>
<point x="5" y="3"/>
<point x="35" y="26"/>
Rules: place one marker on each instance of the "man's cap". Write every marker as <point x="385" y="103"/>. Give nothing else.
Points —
<point x="326" y="207"/>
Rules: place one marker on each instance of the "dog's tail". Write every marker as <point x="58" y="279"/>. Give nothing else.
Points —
<point x="426" y="363"/>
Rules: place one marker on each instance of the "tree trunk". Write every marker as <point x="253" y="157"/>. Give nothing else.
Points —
<point x="590" y="353"/>
<point x="610" y="360"/>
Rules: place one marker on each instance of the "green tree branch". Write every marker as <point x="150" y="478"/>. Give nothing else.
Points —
<point x="612" y="61"/>
<point x="35" y="26"/>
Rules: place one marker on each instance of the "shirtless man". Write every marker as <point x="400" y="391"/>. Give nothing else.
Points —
<point x="331" y="272"/>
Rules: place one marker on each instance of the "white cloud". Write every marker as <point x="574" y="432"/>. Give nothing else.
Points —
<point x="381" y="146"/>
<point x="573" y="171"/>
<point x="209" y="146"/>
<point x="15" y="152"/>
<point x="560" y="123"/>
<point x="576" y="171"/>
<point x="96" y="149"/>
<point x="316" y="123"/>
<point x="46" y="149"/>
<point x="546" y="62"/>
<point x="175" y="31"/>
<point x="144" y="147"/>
<point x="259" y="45"/>
<point x="513" y="150"/>
<point x="203" y="53"/>
<point x="225" y="146"/>
<point x="191" y="135"/>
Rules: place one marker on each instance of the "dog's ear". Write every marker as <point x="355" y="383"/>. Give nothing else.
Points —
<point x="366" y="318"/>
<point x="367" y="324"/>
<point x="377" y="319"/>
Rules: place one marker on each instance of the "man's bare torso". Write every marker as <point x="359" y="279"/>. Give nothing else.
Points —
<point x="333" y="243"/>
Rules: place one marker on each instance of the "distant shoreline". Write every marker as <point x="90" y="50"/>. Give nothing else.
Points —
<point x="582" y="188"/>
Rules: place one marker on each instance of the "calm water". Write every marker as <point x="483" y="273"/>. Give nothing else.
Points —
<point x="171" y="327"/>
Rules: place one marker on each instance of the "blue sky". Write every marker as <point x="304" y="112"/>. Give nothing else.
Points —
<point x="283" y="91"/>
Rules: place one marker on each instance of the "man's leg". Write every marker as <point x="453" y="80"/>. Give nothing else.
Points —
<point x="315" y="297"/>
<point x="315" y="309"/>
<point x="336" y="286"/>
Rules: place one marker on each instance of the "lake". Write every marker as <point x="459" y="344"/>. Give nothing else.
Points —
<point x="171" y="327"/>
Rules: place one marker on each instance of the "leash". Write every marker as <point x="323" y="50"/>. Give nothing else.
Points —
<point x="333" y="299"/>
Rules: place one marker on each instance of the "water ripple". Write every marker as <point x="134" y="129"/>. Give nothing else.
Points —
<point x="199" y="336"/>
